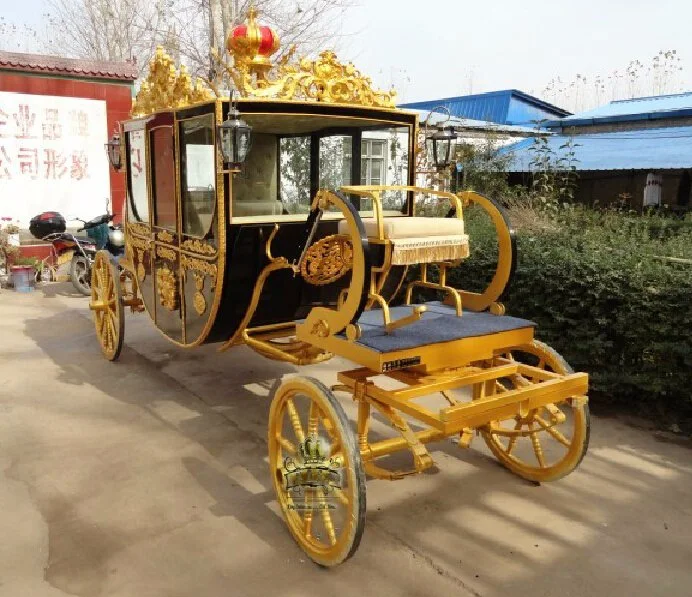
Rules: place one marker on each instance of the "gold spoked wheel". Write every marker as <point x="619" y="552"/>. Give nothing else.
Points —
<point x="316" y="469"/>
<point x="549" y="442"/>
<point x="106" y="303"/>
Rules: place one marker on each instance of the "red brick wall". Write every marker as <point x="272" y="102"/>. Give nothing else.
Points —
<point x="118" y="98"/>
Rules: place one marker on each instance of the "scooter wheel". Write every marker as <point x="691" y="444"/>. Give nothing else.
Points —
<point x="80" y="274"/>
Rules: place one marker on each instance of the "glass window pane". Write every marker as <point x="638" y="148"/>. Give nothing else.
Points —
<point x="335" y="162"/>
<point x="138" y="209"/>
<point x="198" y="175"/>
<point x="163" y="177"/>
<point x="377" y="148"/>
<point x="376" y="169"/>
<point x="294" y="182"/>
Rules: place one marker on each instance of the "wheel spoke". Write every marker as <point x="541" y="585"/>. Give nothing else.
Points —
<point x="513" y="440"/>
<point x="313" y="418"/>
<point x="287" y="445"/>
<point x="556" y="413"/>
<point x="555" y="433"/>
<point x="336" y="449"/>
<point x="111" y="330"/>
<point x="308" y="512"/>
<point x="295" y="420"/>
<point x="538" y="451"/>
<point x="341" y="496"/>
<point x="326" y="517"/>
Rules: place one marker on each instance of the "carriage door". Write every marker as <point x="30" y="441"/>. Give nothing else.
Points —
<point x="139" y="235"/>
<point x="166" y="226"/>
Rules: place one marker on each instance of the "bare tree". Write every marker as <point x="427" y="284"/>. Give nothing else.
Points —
<point x="188" y="29"/>
<point x="18" y="38"/>
<point x="107" y="30"/>
<point x="205" y="24"/>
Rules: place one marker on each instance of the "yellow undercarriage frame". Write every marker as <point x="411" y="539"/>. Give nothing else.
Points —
<point x="517" y="393"/>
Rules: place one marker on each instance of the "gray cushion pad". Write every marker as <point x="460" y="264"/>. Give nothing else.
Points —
<point x="438" y="324"/>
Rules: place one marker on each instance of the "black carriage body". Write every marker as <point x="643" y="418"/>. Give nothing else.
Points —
<point x="197" y="235"/>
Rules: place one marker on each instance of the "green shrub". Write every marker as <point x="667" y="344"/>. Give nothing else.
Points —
<point x="601" y="294"/>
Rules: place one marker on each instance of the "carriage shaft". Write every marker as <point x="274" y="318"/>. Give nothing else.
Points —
<point x="464" y="415"/>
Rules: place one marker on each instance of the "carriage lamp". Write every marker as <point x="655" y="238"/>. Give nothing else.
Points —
<point x="442" y="143"/>
<point x="234" y="136"/>
<point x="113" y="150"/>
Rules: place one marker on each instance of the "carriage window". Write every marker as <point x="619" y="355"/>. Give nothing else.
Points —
<point x="294" y="170"/>
<point x="163" y="176"/>
<point x="384" y="161"/>
<point x="335" y="161"/>
<point x="197" y="174"/>
<point x="138" y="208"/>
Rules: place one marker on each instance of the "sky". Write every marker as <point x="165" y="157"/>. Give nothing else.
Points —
<point x="444" y="48"/>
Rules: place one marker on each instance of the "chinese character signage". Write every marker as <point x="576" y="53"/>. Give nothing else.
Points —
<point x="52" y="156"/>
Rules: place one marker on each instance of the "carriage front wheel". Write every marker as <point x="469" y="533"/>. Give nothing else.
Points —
<point x="107" y="305"/>
<point x="549" y="442"/>
<point x="316" y="470"/>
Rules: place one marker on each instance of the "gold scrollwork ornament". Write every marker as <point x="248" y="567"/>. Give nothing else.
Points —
<point x="197" y="246"/>
<point x="165" y="236"/>
<point x="167" y="287"/>
<point x="166" y="253"/>
<point x="327" y="260"/>
<point x="199" y="301"/>
<point x="141" y="271"/>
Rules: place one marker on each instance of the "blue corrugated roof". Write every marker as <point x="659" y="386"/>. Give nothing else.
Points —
<point x="636" y="109"/>
<point x="644" y="149"/>
<point x="510" y="106"/>
<point x="441" y="118"/>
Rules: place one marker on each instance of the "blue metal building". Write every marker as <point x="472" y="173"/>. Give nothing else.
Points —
<point x="623" y="147"/>
<point x="512" y="107"/>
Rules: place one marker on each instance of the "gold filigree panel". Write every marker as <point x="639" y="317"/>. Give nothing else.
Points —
<point x="201" y="269"/>
<point x="327" y="260"/>
<point x="167" y="287"/>
<point x="198" y="246"/>
<point x="165" y="253"/>
<point x="165" y="237"/>
<point x="138" y="228"/>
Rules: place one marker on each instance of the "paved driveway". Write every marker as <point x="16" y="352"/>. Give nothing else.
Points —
<point x="148" y="477"/>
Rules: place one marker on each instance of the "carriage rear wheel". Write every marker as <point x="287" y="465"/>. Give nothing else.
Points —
<point x="317" y="471"/>
<point x="106" y="303"/>
<point x="549" y="442"/>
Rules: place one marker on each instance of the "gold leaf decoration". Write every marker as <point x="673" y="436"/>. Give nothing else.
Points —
<point x="327" y="260"/>
<point x="167" y="288"/>
<point x="199" y="265"/>
<point x="166" y="253"/>
<point x="200" y="303"/>
<point x="138" y="228"/>
<point x="165" y="236"/>
<point x="165" y="88"/>
<point x="197" y="246"/>
<point x="324" y="80"/>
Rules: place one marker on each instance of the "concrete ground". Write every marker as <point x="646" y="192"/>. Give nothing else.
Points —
<point x="148" y="477"/>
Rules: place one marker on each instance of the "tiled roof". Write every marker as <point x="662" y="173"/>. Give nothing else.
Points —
<point x="91" y="69"/>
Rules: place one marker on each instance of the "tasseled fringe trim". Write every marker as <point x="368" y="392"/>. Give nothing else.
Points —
<point x="403" y="255"/>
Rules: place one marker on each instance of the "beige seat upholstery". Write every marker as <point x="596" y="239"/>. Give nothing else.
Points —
<point x="419" y="239"/>
<point x="403" y="227"/>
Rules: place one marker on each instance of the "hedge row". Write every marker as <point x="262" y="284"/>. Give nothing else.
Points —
<point x="602" y="297"/>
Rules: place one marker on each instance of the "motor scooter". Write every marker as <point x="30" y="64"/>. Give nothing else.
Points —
<point x="101" y="234"/>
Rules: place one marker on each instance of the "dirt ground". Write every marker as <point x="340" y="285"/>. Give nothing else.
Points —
<point x="148" y="477"/>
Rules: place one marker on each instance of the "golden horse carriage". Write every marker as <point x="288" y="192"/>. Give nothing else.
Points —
<point x="292" y="230"/>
